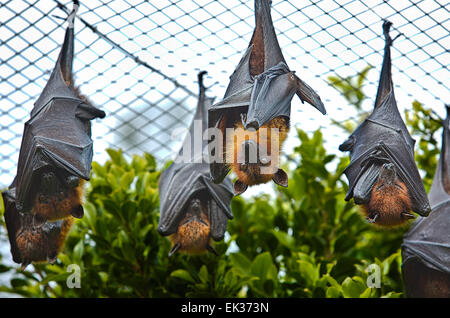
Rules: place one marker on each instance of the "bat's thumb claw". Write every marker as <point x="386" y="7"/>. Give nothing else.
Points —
<point x="211" y="249"/>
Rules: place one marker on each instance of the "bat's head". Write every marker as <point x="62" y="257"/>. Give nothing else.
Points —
<point x="390" y="202"/>
<point x="193" y="233"/>
<point x="254" y="154"/>
<point x="388" y="176"/>
<point x="195" y="211"/>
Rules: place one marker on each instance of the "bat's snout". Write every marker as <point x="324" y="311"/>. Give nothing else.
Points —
<point x="387" y="173"/>
<point x="195" y="207"/>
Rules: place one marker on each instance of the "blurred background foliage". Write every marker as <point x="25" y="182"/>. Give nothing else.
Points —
<point x="306" y="241"/>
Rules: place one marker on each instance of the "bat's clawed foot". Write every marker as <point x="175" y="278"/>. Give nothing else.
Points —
<point x="77" y="212"/>
<point x="211" y="249"/>
<point x="24" y="265"/>
<point x="239" y="187"/>
<point x="174" y="249"/>
<point x="52" y="259"/>
<point x="372" y="218"/>
<point x="407" y="215"/>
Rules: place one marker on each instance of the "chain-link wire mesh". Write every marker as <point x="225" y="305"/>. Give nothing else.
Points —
<point x="138" y="61"/>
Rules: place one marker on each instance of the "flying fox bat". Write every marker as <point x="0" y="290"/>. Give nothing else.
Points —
<point x="33" y="239"/>
<point x="54" y="160"/>
<point x="193" y="209"/>
<point x="256" y="110"/>
<point x="56" y="150"/>
<point x="382" y="174"/>
<point x="426" y="246"/>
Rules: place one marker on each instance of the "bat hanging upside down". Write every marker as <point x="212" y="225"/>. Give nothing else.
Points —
<point x="54" y="160"/>
<point x="382" y="173"/>
<point x="193" y="209"/>
<point x="389" y="203"/>
<point x="258" y="98"/>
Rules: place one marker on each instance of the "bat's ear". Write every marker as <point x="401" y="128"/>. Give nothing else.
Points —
<point x="239" y="187"/>
<point x="87" y="112"/>
<point x="280" y="177"/>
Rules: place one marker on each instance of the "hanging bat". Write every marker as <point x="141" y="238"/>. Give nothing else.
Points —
<point x="193" y="209"/>
<point x="426" y="246"/>
<point x="54" y="160"/>
<point x="382" y="174"/>
<point x="33" y="239"/>
<point x="56" y="150"/>
<point x="253" y="117"/>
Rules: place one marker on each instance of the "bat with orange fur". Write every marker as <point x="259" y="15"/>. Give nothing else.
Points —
<point x="252" y="120"/>
<point x="32" y="239"/>
<point x="54" y="160"/>
<point x="382" y="174"/>
<point x="426" y="246"/>
<point x="193" y="209"/>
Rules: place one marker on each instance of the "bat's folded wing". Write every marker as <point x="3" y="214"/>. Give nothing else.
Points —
<point x="12" y="221"/>
<point x="429" y="240"/>
<point x="179" y="183"/>
<point x="271" y="95"/>
<point x="52" y="138"/>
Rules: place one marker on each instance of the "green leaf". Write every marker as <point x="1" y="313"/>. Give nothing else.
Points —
<point x="241" y="263"/>
<point x="332" y="292"/>
<point x="352" y="288"/>
<point x="203" y="274"/>
<point x="182" y="274"/>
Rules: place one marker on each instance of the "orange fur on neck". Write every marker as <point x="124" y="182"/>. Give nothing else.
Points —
<point x="234" y="145"/>
<point x="389" y="202"/>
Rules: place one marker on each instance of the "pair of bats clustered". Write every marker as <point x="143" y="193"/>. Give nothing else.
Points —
<point x="195" y="196"/>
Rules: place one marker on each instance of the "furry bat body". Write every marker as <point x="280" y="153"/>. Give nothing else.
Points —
<point x="32" y="239"/>
<point x="426" y="246"/>
<point x="54" y="160"/>
<point x="258" y="97"/>
<point x="193" y="209"/>
<point x="382" y="174"/>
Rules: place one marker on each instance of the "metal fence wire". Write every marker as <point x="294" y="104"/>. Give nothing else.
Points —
<point x="138" y="61"/>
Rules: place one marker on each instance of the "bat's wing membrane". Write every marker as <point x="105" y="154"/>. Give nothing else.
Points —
<point x="429" y="238"/>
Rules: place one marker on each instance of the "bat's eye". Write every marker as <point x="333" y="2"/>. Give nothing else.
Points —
<point x="42" y="198"/>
